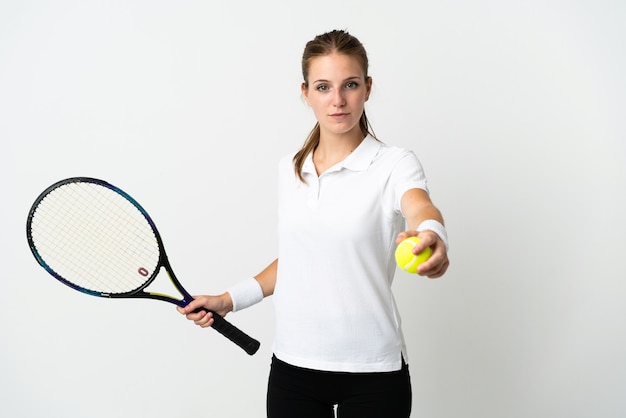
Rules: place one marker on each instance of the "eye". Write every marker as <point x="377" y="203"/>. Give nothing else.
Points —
<point x="321" y="87"/>
<point x="352" y="85"/>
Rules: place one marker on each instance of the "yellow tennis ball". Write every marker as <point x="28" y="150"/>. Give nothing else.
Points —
<point x="405" y="258"/>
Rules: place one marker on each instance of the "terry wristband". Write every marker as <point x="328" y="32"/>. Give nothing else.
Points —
<point x="436" y="227"/>
<point x="245" y="293"/>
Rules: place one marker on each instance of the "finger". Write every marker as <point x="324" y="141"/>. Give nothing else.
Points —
<point x="420" y="247"/>
<point x="198" y="317"/>
<point x="189" y="313"/>
<point x="428" y="238"/>
<point x="404" y="235"/>
<point x="433" y="265"/>
<point x="440" y="272"/>
<point x="437" y="257"/>
<point x="194" y="305"/>
<point x="206" y="320"/>
<point x="427" y="268"/>
<point x="436" y="270"/>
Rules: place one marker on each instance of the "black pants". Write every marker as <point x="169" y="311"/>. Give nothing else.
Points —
<point x="295" y="392"/>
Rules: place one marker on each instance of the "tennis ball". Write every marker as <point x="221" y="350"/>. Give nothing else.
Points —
<point x="405" y="258"/>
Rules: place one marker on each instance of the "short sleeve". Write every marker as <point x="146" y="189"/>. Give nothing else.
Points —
<point x="407" y="174"/>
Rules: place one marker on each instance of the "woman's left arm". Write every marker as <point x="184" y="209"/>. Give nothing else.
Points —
<point x="417" y="208"/>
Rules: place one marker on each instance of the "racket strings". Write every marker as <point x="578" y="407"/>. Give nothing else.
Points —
<point x="95" y="238"/>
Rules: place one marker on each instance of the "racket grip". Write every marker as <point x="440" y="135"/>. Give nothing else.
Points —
<point x="228" y="330"/>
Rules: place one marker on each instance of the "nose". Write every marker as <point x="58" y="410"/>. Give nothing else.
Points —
<point x="338" y="98"/>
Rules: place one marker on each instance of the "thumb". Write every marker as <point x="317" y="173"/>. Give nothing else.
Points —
<point x="195" y="305"/>
<point x="190" y="307"/>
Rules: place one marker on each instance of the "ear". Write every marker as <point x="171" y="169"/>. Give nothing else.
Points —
<point x="305" y="93"/>
<point x="368" y="86"/>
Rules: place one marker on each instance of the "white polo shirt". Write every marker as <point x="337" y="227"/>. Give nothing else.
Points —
<point x="334" y="307"/>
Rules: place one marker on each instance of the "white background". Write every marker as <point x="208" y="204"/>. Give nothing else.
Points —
<point x="516" y="110"/>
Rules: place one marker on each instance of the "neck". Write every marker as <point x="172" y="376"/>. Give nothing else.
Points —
<point x="334" y="149"/>
<point x="338" y="144"/>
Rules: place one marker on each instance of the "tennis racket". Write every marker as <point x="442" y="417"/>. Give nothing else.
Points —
<point x="95" y="238"/>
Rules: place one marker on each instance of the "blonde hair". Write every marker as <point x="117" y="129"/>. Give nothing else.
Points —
<point x="336" y="41"/>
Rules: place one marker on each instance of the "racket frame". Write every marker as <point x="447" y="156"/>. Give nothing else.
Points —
<point x="247" y="343"/>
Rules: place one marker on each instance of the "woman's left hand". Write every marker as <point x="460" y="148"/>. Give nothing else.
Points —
<point x="438" y="262"/>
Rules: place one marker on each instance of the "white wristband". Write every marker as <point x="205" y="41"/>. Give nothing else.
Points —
<point x="436" y="227"/>
<point x="245" y="293"/>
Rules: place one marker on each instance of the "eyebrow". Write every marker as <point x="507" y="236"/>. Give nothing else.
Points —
<point x="322" y="80"/>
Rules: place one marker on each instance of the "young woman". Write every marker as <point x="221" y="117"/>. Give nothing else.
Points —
<point x="345" y="200"/>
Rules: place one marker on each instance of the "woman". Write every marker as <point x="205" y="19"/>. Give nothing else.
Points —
<point x="344" y="200"/>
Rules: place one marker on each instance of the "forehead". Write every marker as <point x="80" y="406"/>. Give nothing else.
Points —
<point x="335" y="67"/>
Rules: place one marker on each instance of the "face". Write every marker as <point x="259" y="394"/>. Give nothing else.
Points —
<point x="337" y="91"/>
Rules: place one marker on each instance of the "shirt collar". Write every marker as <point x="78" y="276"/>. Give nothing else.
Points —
<point x="359" y="160"/>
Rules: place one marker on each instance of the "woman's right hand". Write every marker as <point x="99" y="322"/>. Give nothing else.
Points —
<point x="198" y="309"/>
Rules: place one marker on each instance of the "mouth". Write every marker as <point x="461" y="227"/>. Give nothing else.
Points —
<point x="338" y="115"/>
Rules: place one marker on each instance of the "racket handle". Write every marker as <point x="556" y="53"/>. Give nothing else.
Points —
<point x="228" y="330"/>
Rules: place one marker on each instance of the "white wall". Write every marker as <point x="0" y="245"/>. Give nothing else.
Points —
<point x="516" y="110"/>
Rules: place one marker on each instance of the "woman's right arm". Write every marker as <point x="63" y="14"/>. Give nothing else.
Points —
<point x="267" y="278"/>
<point x="223" y="304"/>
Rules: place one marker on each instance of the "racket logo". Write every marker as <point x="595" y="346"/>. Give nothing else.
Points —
<point x="142" y="271"/>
